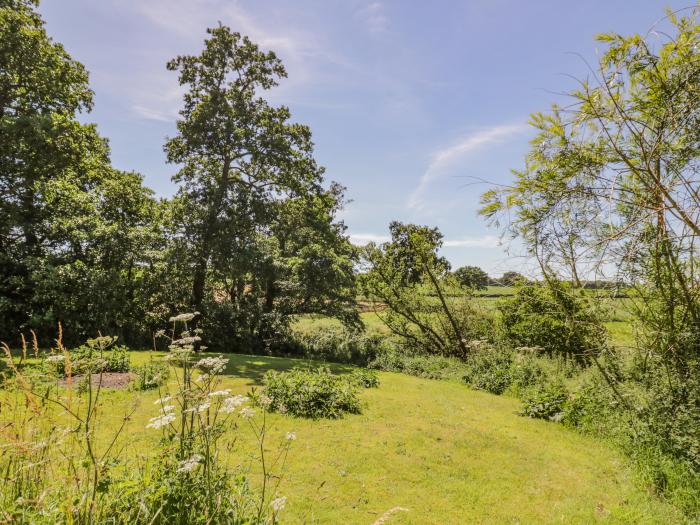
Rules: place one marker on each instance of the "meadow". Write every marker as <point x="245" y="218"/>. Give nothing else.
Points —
<point x="443" y="452"/>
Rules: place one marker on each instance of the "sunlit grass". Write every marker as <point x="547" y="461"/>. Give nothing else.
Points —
<point x="437" y="448"/>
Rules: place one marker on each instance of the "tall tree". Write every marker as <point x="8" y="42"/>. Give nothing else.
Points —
<point x="472" y="277"/>
<point x="408" y="277"/>
<point x="42" y="89"/>
<point x="231" y="143"/>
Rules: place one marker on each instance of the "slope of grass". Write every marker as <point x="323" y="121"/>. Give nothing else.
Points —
<point x="447" y="454"/>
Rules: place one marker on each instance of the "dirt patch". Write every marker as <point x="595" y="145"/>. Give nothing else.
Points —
<point x="109" y="379"/>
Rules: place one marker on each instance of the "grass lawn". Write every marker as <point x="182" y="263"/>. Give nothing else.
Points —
<point x="446" y="453"/>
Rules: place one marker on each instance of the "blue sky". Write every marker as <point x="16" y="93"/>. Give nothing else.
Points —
<point x="408" y="101"/>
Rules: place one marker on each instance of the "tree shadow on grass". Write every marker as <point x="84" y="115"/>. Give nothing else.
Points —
<point x="254" y="368"/>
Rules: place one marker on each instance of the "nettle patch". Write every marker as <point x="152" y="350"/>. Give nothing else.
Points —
<point x="315" y="393"/>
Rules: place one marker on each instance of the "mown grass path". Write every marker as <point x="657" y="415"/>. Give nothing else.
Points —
<point x="446" y="453"/>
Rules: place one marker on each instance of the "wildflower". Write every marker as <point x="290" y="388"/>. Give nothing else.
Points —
<point x="230" y="404"/>
<point x="190" y="464"/>
<point x="291" y="436"/>
<point x="202" y="377"/>
<point x="213" y="365"/>
<point x="198" y="408"/>
<point x="186" y="341"/>
<point x="220" y="393"/>
<point x="247" y="412"/>
<point x="159" y="333"/>
<point x="183" y="318"/>
<point x="162" y="400"/>
<point x="55" y="359"/>
<point x="278" y="504"/>
<point x="161" y="421"/>
<point x="264" y="401"/>
<point x="167" y="408"/>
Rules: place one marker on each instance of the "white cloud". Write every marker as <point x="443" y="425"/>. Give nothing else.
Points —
<point x="374" y="18"/>
<point x="361" y="239"/>
<point x="443" y="159"/>
<point x="487" y="241"/>
<point x="185" y="21"/>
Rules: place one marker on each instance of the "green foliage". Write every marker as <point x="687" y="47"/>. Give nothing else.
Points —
<point x="498" y="370"/>
<point x="402" y="360"/>
<point x="150" y="375"/>
<point x="409" y="277"/>
<point x="489" y="369"/>
<point x="259" y="235"/>
<point x="472" y="277"/>
<point x="365" y="378"/>
<point x="117" y="359"/>
<point x="339" y="345"/>
<point x="545" y="401"/>
<point x="554" y="318"/>
<point x="312" y="393"/>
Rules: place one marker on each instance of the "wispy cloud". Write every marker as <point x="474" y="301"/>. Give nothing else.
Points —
<point x="304" y="53"/>
<point x="373" y="15"/>
<point x="487" y="241"/>
<point x="361" y="239"/>
<point x="443" y="159"/>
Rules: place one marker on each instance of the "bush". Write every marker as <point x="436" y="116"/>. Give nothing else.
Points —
<point x="554" y="319"/>
<point x="545" y="402"/>
<point x="497" y="370"/>
<point x="150" y="375"/>
<point x="339" y="345"/>
<point x="395" y="359"/>
<point x="313" y="394"/>
<point x="117" y="360"/>
<point x="365" y="378"/>
<point x="489" y="369"/>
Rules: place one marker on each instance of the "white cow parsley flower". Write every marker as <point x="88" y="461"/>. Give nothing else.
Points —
<point x="161" y="421"/>
<point x="278" y="504"/>
<point x="190" y="464"/>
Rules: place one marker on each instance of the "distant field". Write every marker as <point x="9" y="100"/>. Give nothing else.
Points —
<point x="616" y="312"/>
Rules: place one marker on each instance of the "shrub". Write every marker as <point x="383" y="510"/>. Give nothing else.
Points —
<point x="312" y="393"/>
<point x="545" y="402"/>
<point x="401" y="360"/>
<point x="554" y="319"/>
<point x="365" y="378"/>
<point x="150" y="375"/>
<point x="489" y="369"/>
<point x="339" y="345"/>
<point x="117" y="360"/>
<point x="498" y="370"/>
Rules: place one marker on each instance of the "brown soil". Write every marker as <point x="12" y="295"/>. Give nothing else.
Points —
<point x="109" y="379"/>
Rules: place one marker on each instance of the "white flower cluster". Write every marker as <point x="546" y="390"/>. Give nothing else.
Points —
<point x="212" y="365"/>
<point x="247" y="412"/>
<point x="183" y="318"/>
<point x="166" y="416"/>
<point x="190" y="464"/>
<point x="220" y="393"/>
<point x="186" y="341"/>
<point x="230" y="404"/>
<point x="291" y="436"/>
<point x="161" y="421"/>
<point x="55" y="359"/>
<point x="265" y="401"/>
<point x="198" y="408"/>
<point x="278" y="504"/>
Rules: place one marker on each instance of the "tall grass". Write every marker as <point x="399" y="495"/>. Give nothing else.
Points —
<point x="63" y="459"/>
